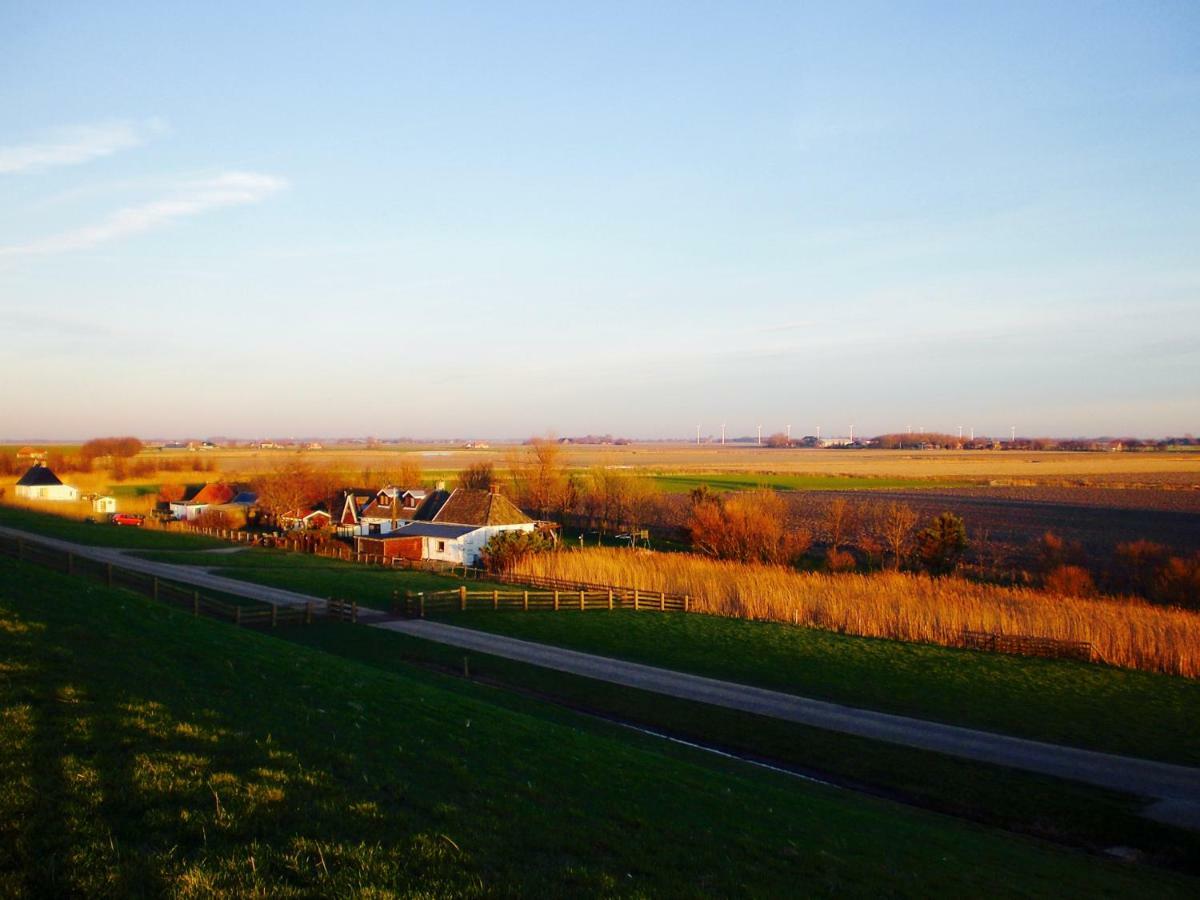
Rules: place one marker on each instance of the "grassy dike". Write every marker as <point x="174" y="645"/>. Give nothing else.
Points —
<point x="144" y="752"/>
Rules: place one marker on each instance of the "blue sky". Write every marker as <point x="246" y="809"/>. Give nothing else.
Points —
<point x="502" y="219"/>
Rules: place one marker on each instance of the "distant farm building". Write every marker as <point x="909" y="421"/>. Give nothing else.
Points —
<point x="104" y="505"/>
<point x="39" y="483"/>
<point x="448" y="526"/>
<point x="349" y="503"/>
<point x="194" y="502"/>
<point x="31" y="455"/>
<point x="305" y="519"/>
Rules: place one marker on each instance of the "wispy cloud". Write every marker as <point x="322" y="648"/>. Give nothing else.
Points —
<point x="79" y="144"/>
<point x="190" y="199"/>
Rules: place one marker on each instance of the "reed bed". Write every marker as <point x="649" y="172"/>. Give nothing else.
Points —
<point x="902" y="606"/>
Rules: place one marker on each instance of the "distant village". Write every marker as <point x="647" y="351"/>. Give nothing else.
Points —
<point x="390" y="524"/>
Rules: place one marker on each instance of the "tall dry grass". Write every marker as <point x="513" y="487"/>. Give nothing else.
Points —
<point x="895" y="605"/>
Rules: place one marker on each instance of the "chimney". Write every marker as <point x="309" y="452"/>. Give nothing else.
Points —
<point x="493" y="488"/>
<point x="440" y="486"/>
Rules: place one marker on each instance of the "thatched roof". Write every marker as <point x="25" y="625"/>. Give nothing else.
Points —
<point x="468" y="507"/>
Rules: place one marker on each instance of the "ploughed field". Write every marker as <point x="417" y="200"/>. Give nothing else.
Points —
<point x="1095" y="517"/>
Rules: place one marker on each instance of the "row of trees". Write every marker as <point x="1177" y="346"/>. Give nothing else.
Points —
<point x="755" y="527"/>
<point x="115" y="447"/>
<point x="1141" y="568"/>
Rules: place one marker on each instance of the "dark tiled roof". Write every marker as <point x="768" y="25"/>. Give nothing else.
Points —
<point x="245" y="498"/>
<point x="431" y="505"/>
<point x="424" y="529"/>
<point x="466" y="507"/>
<point x="39" y="476"/>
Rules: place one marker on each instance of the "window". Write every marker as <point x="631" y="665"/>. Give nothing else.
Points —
<point x="441" y="547"/>
<point x="373" y="528"/>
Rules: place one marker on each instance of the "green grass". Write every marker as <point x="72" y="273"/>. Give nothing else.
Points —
<point x="133" y="490"/>
<point x="745" y="481"/>
<point x="183" y="756"/>
<point x="102" y="534"/>
<point x="1062" y="811"/>
<point x="322" y="577"/>
<point x="1116" y="710"/>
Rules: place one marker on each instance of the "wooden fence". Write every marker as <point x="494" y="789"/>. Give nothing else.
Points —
<point x="256" y="614"/>
<point x="580" y="598"/>
<point x="1027" y="645"/>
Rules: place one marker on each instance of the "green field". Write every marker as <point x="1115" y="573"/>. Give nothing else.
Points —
<point x="187" y="757"/>
<point x="102" y="534"/>
<point x="1155" y="716"/>
<point x="1061" y="811"/>
<point x="369" y="585"/>
<point x="1102" y="708"/>
<point x="747" y="481"/>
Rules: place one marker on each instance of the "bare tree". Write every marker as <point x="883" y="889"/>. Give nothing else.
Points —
<point x="292" y="484"/>
<point x="895" y="524"/>
<point x="841" y="520"/>
<point x="480" y="476"/>
<point x="539" y="477"/>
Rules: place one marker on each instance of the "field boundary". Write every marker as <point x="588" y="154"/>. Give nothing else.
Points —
<point x="263" y="615"/>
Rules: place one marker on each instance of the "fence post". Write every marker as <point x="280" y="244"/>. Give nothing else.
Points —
<point x="20" y="548"/>
<point x="108" y="574"/>
<point x="525" y="600"/>
<point x="495" y="599"/>
<point x="308" y="612"/>
<point x="687" y="603"/>
<point x="408" y="603"/>
<point x="274" y="614"/>
<point x="462" y="597"/>
<point x="636" y="605"/>
<point x="610" y="599"/>
<point x="237" y="615"/>
<point x="354" y="611"/>
<point x="662" y="600"/>
<point x="421" y="597"/>
<point x="70" y="563"/>
<point x="581" y="601"/>
<point x="155" y="587"/>
<point x="556" y="601"/>
<point x="195" y="603"/>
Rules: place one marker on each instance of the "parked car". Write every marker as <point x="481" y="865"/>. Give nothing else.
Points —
<point x="128" y="519"/>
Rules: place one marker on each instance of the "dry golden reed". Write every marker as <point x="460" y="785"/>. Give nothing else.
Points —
<point x="896" y="605"/>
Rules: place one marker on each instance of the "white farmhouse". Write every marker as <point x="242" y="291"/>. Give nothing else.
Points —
<point x="39" y="483"/>
<point x="449" y="526"/>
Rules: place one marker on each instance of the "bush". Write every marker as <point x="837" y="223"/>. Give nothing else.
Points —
<point x="505" y="550"/>
<point x="1071" y="581"/>
<point x="940" y="546"/>
<point x="839" y="560"/>
<point x="749" y="527"/>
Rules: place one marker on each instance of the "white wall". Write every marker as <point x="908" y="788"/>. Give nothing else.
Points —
<point x="48" y="492"/>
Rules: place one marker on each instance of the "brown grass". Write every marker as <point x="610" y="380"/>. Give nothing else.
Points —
<point x="895" y="605"/>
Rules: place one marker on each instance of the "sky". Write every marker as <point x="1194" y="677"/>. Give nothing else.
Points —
<point x="504" y="219"/>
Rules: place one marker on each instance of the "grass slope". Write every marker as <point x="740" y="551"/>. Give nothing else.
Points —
<point x="103" y="534"/>
<point x="1116" y="710"/>
<point x="369" y="585"/>
<point x="186" y="757"/>
<point x="1061" y="811"/>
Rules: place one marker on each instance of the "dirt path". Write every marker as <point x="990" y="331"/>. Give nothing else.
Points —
<point x="1175" y="788"/>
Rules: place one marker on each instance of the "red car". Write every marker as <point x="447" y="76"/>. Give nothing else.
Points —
<point x="128" y="519"/>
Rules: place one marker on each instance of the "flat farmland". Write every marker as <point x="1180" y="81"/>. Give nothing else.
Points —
<point x="878" y="468"/>
<point x="1096" y="518"/>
